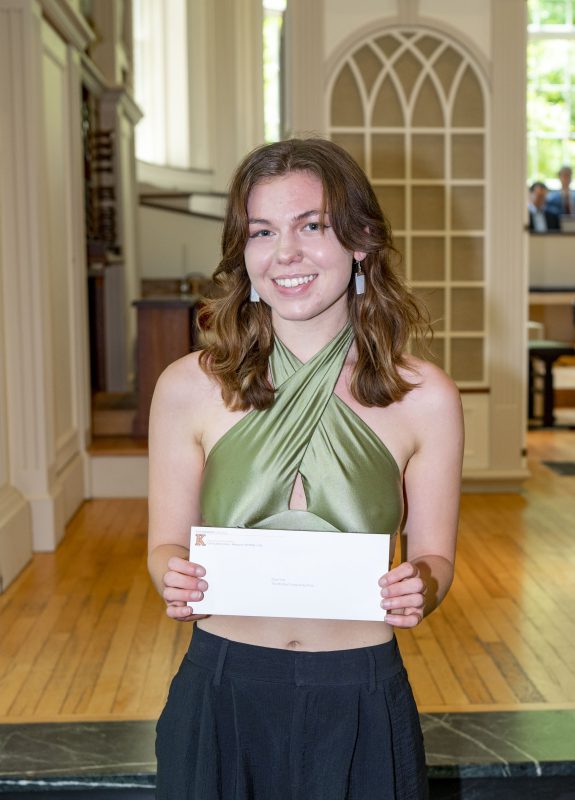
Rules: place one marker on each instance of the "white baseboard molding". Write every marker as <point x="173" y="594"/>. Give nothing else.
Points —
<point x="15" y="535"/>
<point x="51" y="511"/>
<point x="118" y="476"/>
<point x="494" y="481"/>
<point x="73" y="481"/>
<point x="48" y="523"/>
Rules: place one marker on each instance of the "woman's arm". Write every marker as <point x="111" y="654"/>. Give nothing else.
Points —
<point x="176" y="461"/>
<point x="432" y="485"/>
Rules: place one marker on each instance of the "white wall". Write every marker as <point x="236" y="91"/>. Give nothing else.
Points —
<point x="343" y="17"/>
<point x="172" y="244"/>
<point x="551" y="259"/>
<point x="471" y="19"/>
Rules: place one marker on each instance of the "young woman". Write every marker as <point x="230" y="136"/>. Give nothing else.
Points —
<point x="304" y="411"/>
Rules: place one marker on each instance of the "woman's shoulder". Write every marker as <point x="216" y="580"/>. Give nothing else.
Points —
<point x="185" y="381"/>
<point x="432" y="408"/>
<point x="432" y="387"/>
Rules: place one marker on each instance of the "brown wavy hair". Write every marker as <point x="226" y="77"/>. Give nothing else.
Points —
<point x="237" y="335"/>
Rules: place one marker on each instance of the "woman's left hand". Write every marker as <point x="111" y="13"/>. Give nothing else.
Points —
<point x="403" y="595"/>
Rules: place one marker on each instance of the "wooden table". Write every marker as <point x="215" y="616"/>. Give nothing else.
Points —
<point x="548" y="352"/>
<point x="166" y="332"/>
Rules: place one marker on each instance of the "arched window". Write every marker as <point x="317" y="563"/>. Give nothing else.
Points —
<point x="161" y="82"/>
<point x="410" y="106"/>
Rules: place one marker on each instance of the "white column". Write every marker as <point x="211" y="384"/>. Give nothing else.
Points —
<point x="237" y="120"/>
<point x="119" y="112"/>
<point x="507" y="296"/>
<point x="304" y="67"/>
<point x="43" y="270"/>
<point x="199" y="60"/>
<point x="78" y="273"/>
<point x="24" y="246"/>
<point x="15" y="519"/>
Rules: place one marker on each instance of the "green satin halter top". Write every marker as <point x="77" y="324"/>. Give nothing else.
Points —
<point x="351" y="481"/>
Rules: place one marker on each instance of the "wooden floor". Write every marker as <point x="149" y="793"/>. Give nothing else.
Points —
<point x="85" y="637"/>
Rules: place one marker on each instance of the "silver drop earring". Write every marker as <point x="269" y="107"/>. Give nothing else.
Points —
<point x="359" y="279"/>
<point x="254" y="296"/>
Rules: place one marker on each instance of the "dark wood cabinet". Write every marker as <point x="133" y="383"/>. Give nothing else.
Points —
<point x="166" y="332"/>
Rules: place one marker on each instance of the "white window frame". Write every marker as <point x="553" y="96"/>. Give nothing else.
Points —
<point x="162" y="82"/>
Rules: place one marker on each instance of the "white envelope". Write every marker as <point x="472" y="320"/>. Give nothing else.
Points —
<point x="272" y="573"/>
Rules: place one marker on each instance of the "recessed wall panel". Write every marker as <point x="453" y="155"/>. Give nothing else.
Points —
<point x="467" y="309"/>
<point x="346" y="105"/>
<point x="428" y="208"/>
<point x="388" y="156"/>
<point x="392" y="202"/>
<point x="467" y="359"/>
<point x="467" y="258"/>
<point x="354" y="143"/>
<point x="467" y="156"/>
<point x="428" y="258"/>
<point x="467" y="208"/>
<point x="427" y="157"/>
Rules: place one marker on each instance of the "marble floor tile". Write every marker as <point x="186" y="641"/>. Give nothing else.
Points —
<point x="460" y="747"/>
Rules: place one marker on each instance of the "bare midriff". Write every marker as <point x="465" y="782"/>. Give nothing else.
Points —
<point x="298" y="634"/>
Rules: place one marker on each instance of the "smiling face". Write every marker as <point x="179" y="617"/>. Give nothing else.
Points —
<point x="299" y="269"/>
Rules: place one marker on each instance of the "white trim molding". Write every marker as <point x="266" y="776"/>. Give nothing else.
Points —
<point x="183" y="180"/>
<point x="120" y="98"/>
<point x="15" y="534"/>
<point x="92" y="77"/>
<point x="476" y="416"/>
<point x="508" y="295"/>
<point x="70" y="24"/>
<point x="495" y="481"/>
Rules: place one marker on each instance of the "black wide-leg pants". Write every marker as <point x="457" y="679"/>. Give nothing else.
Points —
<point x="255" y="723"/>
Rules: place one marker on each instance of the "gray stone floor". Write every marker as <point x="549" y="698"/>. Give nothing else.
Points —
<point x="469" y="756"/>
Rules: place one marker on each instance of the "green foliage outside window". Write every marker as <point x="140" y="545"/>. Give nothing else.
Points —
<point x="549" y="12"/>
<point x="550" y="88"/>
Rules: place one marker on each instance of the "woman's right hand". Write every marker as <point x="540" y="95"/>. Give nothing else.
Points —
<point x="182" y="583"/>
